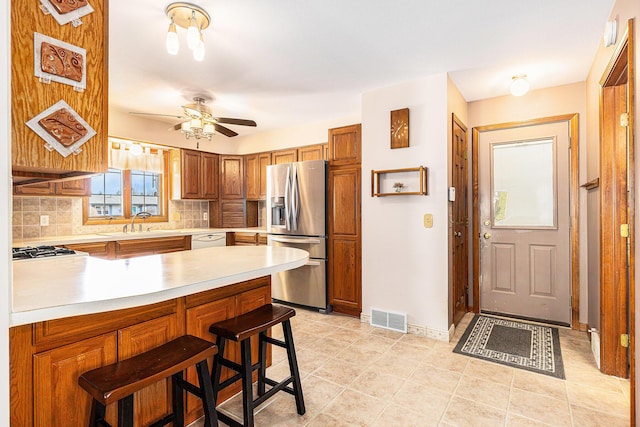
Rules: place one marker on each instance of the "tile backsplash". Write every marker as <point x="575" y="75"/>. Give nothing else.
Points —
<point x="65" y="217"/>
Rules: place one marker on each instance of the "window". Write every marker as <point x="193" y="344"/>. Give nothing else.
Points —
<point x="119" y="194"/>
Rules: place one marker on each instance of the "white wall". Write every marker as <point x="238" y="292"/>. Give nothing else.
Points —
<point x="404" y="265"/>
<point x="5" y="194"/>
<point x="555" y="101"/>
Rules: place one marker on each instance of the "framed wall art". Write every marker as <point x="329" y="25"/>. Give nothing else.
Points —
<point x="65" y="11"/>
<point x="62" y="129"/>
<point x="55" y="60"/>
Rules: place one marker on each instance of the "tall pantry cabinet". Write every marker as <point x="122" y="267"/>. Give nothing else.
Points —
<point x="344" y="214"/>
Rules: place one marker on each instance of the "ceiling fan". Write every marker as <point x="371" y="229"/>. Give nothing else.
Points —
<point x="198" y="121"/>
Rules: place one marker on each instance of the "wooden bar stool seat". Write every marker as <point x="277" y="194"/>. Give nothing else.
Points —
<point x="117" y="382"/>
<point x="241" y="329"/>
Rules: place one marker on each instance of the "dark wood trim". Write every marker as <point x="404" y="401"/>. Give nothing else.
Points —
<point x="632" y="214"/>
<point x="572" y="121"/>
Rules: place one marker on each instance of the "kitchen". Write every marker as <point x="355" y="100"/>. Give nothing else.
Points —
<point x="375" y="110"/>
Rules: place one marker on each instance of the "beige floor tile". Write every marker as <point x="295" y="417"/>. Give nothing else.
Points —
<point x="570" y="333"/>
<point x="325" y="420"/>
<point x="334" y="319"/>
<point x="489" y="371"/>
<point x="597" y="399"/>
<point x="360" y="356"/>
<point x="625" y="385"/>
<point x="281" y="371"/>
<point x="446" y="360"/>
<point x="357" y="325"/>
<point x="583" y="417"/>
<point x="282" y="412"/>
<point x="430" y="376"/>
<point x="485" y="392"/>
<point x="346" y="335"/>
<point x="376" y="384"/>
<point x="418" y="341"/>
<point x="318" y="329"/>
<point x="303" y="339"/>
<point x="394" y="415"/>
<point x="422" y="399"/>
<point x="590" y="376"/>
<point x="387" y="333"/>
<point x="339" y="371"/>
<point x="541" y="384"/>
<point x="463" y="413"/>
<point x="395" y="364"/>
<point x="539" y="407"/>
<point x="318" y="392"/>
<point x="326" y="346"/>
<point x="309" y="361"/>
<point x="373" y="343"/>
<point x="355" y="407"/>
<point x="514" y="420"/>
<point x="417" y="354"/>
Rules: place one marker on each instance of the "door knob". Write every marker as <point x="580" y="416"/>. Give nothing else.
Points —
<point x="487" y="235"/>
<point x="457" y="233"/>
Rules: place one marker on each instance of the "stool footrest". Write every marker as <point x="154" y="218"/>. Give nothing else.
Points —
<point x="276" y="387"/>
<point x="274" y="341"/>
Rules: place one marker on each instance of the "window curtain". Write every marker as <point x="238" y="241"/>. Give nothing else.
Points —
<point x="121" y="158"/>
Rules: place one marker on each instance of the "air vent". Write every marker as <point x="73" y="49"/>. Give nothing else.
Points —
<point x="389" y="320"/>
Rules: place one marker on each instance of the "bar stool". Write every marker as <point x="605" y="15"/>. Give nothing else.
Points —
<point x="241" y="329"/>
<point x="118" y="381"/>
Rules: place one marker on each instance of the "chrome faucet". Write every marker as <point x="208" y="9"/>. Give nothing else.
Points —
<point x="143" y="215"/>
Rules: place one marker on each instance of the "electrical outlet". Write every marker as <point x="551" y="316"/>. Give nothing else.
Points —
<point x="205" y="216"/>
<point x="44" y="220"/>
<point x="428" y="220"/>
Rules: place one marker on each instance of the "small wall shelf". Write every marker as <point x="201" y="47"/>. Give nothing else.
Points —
<point x="399" y="182"/>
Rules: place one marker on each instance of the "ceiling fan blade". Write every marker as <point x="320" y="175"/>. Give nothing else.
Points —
<point x="160" y="115"/>
<point x="176" y="127"/>
<point x="225" y="131"/>
<point x="230" y="121"/>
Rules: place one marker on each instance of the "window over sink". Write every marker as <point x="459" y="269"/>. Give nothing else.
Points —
<point x="136" y="181"/>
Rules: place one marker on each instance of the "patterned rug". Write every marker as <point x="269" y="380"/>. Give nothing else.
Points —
<point x="521" y="345"/>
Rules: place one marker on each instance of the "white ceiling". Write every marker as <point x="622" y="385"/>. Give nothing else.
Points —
<point x="288" y="62"/>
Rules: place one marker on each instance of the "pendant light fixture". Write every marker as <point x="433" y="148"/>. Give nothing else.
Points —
<point x="192" y="17"/>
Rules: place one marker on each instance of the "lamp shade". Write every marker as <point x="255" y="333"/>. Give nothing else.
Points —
<point x="198" y="52"/>
<point x="193" y="34"/>
<point x="173" y="44"/>
<point x="208" y="129"/>
<point x="519" y="85"/>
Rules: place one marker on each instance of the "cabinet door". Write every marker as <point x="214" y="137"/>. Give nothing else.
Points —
<point x="104" y="250"/>
<point x="345" y="265"/>
<point x="284" y="156"/>
<point x="210" y="175"/>
<point x="153" y="402"/>
<point x="74" y="187"/>
<point x="252" y="171"/>
<point x="264" y="160"/>
<point x="58" y="399"/>
<point x="311" y="152"/>
<point x="198" y="320"/>
<point x="231" y="177"/>
<point x="191" y="175"/>
<point x="345" y="145"/>
<point x="140" y="247"/>
<point x="39" y="189"/>
<point x="232" y="213"/>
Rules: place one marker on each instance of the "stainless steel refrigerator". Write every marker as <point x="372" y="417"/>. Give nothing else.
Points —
<point x="296" y="217"/>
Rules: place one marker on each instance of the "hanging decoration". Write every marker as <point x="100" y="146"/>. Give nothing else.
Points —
<point x="65" y="11"/>
<point x="61" y="62"/>
<point x="62" y="129"/>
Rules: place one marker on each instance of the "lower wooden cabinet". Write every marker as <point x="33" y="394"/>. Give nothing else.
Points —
<point x="104" y="250"/>
<point x="121" y="249"/>
<point x="47" y="358"/>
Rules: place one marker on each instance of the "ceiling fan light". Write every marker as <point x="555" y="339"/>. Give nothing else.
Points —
<point x="519" y="85"/>
<point x="193" y="33"/>
<point x="198" y="52"/>
<point x="172" y="43"/>
<point x="185" y="127"/>
<point x="208" y="129"/>
<point x="195" y="124"/>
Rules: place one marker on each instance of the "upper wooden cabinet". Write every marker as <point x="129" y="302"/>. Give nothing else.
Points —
<point x="29" y="97"/>
<point x="194" y="175"/>
<point x="311" y="152"/>
<point x="344" y="145"/>
<point x="231" y="177"/>
<point x="284" y="156"/>
<point x="73" y="187"/>
<point x="256" y="175"/>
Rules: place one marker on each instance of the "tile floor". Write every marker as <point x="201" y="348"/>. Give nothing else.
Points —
<point x="357" y="375"/>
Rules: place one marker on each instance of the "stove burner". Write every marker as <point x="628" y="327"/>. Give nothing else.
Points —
<point x="40" y="252"/>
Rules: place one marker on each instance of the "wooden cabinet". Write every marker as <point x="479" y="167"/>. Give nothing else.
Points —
<point x="194" y="175"/>
<point x="344" y="219"/>
<point x="72" y="187"/>
<point x="29" y="97"/>
<point x="105" y="250"/>
<point x="231" y="177"/>
<point x="284" y="156"/>
<point x="57" y="398"/>
<point x="345" y="145"/>
<point x="140" y="247"/>
<point x="232" y="213"/>
<point x="256" y="175"/>
<point x="47" y="357"/>
<point x="311" y="152"/>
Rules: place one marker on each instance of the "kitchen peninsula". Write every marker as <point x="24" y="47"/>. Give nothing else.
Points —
<point x="72" y="314"/>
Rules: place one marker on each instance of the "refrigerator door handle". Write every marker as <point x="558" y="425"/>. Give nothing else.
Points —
<point x="287" y="201"/>
<point x="313" y="263"/>
<point x="296" y="240"/>
<point x="295" y="199"/>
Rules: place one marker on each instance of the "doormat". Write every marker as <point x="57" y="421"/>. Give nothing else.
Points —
<point x="521" y="345"/>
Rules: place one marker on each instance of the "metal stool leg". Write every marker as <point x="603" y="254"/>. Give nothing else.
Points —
<point x="293" y="366"/>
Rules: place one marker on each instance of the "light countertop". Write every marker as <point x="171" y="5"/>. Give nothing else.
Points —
<point x="56" y="287"/>
<point x="109" y="236"/>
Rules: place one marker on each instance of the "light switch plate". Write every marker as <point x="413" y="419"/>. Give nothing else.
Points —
<point x="44" y="220"/>
<point x="428" y="220"/>
<point x="205" y="216"/>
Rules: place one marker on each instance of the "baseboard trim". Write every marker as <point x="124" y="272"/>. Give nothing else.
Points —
<point x="420" y="330"/>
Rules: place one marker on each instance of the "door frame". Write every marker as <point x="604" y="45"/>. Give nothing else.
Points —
<point x="572" y="122"/>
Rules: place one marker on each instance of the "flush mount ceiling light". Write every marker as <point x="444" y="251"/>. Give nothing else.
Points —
<point x="519" y="85"/>
<point x="195" y="19"/>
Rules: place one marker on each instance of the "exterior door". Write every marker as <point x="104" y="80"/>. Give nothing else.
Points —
<point x="460" y="226"/>
<point x="524" y="230"/>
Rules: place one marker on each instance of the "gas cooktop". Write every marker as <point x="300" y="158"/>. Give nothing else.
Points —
<point x="30" y="252"/>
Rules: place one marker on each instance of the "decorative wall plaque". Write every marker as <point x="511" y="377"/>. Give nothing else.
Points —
<point x="55" y="60"/>
<point x="62" y="129"/>
<point x="65" y="11"/>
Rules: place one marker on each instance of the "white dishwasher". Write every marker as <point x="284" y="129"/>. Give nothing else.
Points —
<point x="208" y="240"/>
